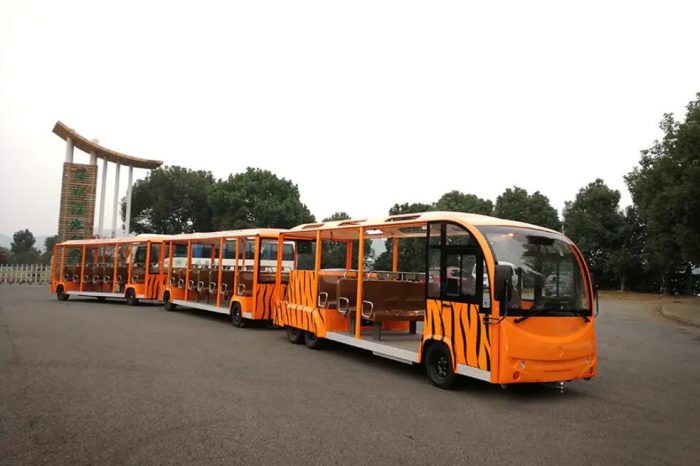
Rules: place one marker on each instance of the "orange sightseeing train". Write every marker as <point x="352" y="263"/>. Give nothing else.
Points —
<point x="496" y="300"/>
<point x="129" y="268"/>
<point x="229" y="272"/>
<point x="462" y="294"/>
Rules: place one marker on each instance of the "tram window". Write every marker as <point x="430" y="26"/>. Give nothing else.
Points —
<point x="229" y="249"/>
<point x="306" y="254"/>
<point x="139" y="255"/>
<point x="455" y="264"/>
<point x="154" y="259"/>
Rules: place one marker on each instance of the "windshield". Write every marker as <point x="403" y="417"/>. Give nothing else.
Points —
<point x="546" y="274"/>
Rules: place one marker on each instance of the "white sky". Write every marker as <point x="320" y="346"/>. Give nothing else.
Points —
<point x="360" y="103"/>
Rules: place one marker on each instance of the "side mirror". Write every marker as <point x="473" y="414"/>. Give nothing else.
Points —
<point x="503" y="280"/>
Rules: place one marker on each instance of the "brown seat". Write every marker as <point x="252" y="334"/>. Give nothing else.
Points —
<point x="328" y="284"/>
<point x="394" y="300"/>
<point x="226" y="287"/>
<point x="245" y="283"/>
<point x="138" y="273"/>
<point x="346" y="295"/>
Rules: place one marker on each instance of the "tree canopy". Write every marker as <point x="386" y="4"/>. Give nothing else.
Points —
<point x="410" y="208"/>
<point x="22" y="248"/>
<point x="665" y="188"/>
<point x="593" y="221"/>
<point x="517" y="204"/>
<point x="257" y="199"/>
<point x="171" y="200"/>
<point x="460" y="202"/>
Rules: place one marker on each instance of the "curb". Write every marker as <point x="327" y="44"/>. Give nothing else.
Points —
<point x="675" y="318"/>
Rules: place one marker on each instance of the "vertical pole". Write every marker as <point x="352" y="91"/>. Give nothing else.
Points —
<point x="116" y="201"/>
<point x="103" y="189"/>
<point x="360" y="269"/>
<point x="278" y="275"/>
<point x="69" y="150"/>
<point x="348" y="254"/>
<point x="93" y="158"/>
<point x="256" y="271"/>
<point x="395" y="255"/>
<point x="63" y="256"/>
<point x="317" y="267"/>
<point x="147" y="271"/>
<point x="116" y="268"/>
<point x="82" y="268"/>
<point x="235" y="271"/>
<point x="187" y="270"/>
<point x="169" y="247"/>
<point x="221" y="268"/>
<point x="127" y="220"/>
<point x="132" y="256"/>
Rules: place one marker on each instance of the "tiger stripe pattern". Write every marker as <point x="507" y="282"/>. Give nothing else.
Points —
<point x="462" y="327"/>
<point x="154" y="283"/>
<point x="264" y="296"/>
<point x="298" y="309"/>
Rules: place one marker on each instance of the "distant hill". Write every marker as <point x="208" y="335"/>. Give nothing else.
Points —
<point x="5" y="241"/>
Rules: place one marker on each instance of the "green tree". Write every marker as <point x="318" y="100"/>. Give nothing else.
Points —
<point x="457" y="201"/>
<point x="333" y="252"/>
<point x="22" y="248"/>
<point x="626" y="261"/>
<point x="257" y="198"/>
<point x="594" y="223"/>
<point x="517" y="204"/>
<point x="408" y="208"/>
<point x="665" y="188"/>
<point x="171" y="200"/>
<point x="22" y="241"/>
<point x="5" y="256"/>
<point x="49" y="243"/>
<point x="411" y="250"/>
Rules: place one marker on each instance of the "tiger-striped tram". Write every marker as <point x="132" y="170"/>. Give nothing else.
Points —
<point x="228" y="272"/>
<point x="463" y="294"/>
<point x="130" y="268"/>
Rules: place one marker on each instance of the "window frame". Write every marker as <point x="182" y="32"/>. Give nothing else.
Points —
<point x="457" y="250"/>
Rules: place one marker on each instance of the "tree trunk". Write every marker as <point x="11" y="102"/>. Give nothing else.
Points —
<point x="622" y="282"/>
<point x="663" y="283"/>
<point x="689" y="279"/>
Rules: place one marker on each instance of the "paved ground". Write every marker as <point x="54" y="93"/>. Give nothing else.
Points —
<point x="87" y="382"/>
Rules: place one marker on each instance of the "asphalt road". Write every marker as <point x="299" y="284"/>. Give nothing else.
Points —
<point x="87" y="382"/>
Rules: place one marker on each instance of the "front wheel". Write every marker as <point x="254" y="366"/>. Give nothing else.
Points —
<point x="312" y="341"/>
<point x="438" y="365"/>
<point x="131" y="298"/>
<point x="236" y="317"/>
<point x="61" y="295"/>
<point x="295" y="335"/>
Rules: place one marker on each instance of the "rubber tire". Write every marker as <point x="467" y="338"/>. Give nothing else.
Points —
<point x="131" y="298"/>
<point x="167" y="304"/>
<point x="236" y="316"/>
<point x="60" y="295"/>
<point x="312" y="341"/>
<point x="295" y="335"/>
<point x="438" y="366"/>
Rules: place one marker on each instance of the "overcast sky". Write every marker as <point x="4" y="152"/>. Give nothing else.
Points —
<point x="360" y="103"/>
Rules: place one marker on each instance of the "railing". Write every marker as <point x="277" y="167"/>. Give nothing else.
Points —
<point x="25" y="274"/>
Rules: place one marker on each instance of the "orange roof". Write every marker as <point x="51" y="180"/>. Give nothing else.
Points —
<point x="125" y="239"/>
<point x="264" y="232"/>
<point x="88" y="146"/>
<point x="407" y="219"/>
